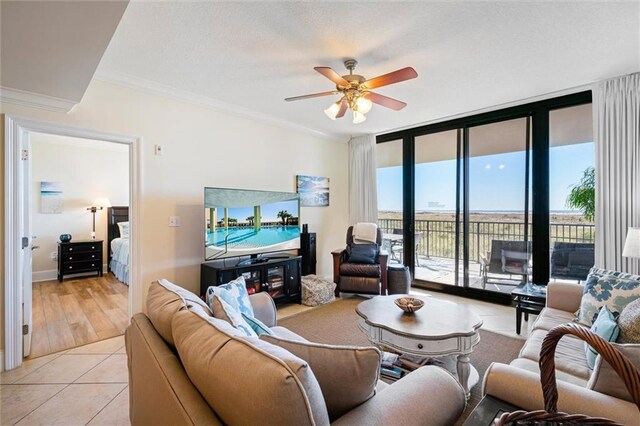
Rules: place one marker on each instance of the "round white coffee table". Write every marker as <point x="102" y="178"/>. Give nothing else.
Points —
<point x="439" y="329"/>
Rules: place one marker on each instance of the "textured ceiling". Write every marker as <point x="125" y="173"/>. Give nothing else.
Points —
<point x="469" y="55"/>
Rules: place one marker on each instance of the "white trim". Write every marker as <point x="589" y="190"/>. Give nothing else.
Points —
<point x="155" y="88"/>
<point x="35" y="100"/>
<point x="13" y="217"/>
<point x="1" y="361"/>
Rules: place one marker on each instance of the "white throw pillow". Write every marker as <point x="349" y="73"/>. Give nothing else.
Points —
<point x="124" y="229"/>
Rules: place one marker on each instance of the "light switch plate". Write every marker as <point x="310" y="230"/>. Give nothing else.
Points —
<point x="174" y="221"/>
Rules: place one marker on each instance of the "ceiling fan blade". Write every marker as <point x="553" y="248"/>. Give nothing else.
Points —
<point x="386" y="101"/>
<point x="393" y="77"/>
<point x="343" y="108"/>
<point x="313" y="95"/>
<point x="333" y="76"/>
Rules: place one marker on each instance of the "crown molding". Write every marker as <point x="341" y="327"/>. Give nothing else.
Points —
<point x="155" y="88"/>
<point x="35" y="100"/>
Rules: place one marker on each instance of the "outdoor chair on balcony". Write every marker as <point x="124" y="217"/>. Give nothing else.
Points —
<point x="507" y="259"/>
<point x="572" y="261"/>
<point x="396" y="248"/>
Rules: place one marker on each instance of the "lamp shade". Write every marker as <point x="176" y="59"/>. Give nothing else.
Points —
<point x="101" y="203"/>
<point x="632" y="245"/>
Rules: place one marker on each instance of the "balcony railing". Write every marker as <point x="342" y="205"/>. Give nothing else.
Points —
<point x="437" y="237"/>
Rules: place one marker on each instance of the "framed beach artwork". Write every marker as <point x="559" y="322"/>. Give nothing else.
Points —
<point x="50" y="197"/>
<point x="313" y="191"/>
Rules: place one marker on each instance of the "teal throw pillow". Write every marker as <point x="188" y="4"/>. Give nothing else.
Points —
<point x="258" y="326"/>
<point x="234" y="293"/>
<point x="615" y="290"/>
<point x="606" y="327"/>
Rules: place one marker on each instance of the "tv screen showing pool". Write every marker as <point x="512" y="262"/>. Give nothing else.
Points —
<point x="241" y="222"/>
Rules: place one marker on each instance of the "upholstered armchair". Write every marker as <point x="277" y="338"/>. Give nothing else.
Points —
<point x="363" y="278"/>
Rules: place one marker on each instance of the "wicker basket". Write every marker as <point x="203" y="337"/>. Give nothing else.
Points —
<point x="550" y="414"/>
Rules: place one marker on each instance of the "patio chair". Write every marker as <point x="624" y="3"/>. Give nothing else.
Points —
<point x="397" y="247"/>
<point x="572" y="260"/>
<point x="506" y="258"/>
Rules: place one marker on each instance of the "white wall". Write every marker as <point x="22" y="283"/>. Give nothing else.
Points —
<point x="87" y="170"/>
<point x="205" y="147"/>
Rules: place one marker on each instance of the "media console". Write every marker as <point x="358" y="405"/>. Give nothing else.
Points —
<point x="279" y="275"/>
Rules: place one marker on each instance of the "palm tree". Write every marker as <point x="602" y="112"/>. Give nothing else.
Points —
<point x="583" y="194"/>
<point x="250" y="220"/>
<point x="284" y="216"/>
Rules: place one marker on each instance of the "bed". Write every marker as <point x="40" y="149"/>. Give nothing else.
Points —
<point x="118" y="242"/>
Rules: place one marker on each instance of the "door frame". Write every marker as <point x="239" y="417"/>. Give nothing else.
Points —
<point x="14" y="127"/>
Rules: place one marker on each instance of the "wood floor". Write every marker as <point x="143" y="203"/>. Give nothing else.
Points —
<point x="76" y="312"/>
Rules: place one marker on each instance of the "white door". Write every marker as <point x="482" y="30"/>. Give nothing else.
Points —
<point x="27" y="244"/>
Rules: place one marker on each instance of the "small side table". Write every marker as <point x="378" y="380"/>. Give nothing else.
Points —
<point x="529" y="299"/>
<point x="487" y="411"/>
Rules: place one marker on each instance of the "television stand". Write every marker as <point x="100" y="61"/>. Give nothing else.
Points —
<point x="278" y="275"/>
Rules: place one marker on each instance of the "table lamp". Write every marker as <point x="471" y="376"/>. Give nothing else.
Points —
<point x="98" y="204"/>
<point x="632" y="245"/>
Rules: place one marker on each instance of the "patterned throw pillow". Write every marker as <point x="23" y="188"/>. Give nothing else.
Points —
<point x="604" y="326"/>
<point x="629" y="323"/>
<point x="224" y="311"/>
<point x="258" y="326"/>
<point x="607" y="288"/>
<point x="234" y="293"/>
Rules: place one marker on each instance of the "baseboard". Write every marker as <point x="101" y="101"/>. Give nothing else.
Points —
<point x="52" y="274"/>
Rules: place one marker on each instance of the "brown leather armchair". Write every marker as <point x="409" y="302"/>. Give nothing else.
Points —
<point x="360" y="277"/>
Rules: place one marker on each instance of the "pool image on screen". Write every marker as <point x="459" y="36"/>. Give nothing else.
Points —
<point x="245" y="222"/>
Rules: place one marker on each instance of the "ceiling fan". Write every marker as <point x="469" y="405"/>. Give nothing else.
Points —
<point x="356" y="91"/>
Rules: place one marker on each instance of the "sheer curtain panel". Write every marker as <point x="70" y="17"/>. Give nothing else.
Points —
<point x="363" y="196"/>
<point x="616" y="112"/>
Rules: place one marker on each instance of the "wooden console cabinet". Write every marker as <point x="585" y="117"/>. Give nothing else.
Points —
<point x="79" y="256"/>
<point x="279" y="275"/>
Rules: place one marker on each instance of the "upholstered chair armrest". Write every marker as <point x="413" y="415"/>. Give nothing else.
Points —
<point x="522" y="388"/>
<point x="564" y="296"/>
<point x="383" y="260"/>
<point x="339" y="256"/>
<point x="264" y="308"/>
<point x="403" y="402"/>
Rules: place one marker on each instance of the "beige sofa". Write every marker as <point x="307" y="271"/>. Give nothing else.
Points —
<point x="578" y="387"/>
<point x="181" y="367"/>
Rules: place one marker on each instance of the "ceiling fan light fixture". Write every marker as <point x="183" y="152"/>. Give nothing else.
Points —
<point x="358" y="117"/>
<point x="332" y="111"/>
<point x="363" y="105"/>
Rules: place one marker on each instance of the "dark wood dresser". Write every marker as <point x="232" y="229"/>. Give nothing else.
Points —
<point x="79" y="256"/>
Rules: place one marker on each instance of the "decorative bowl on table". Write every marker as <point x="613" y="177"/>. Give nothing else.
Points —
<point x="409" y="304"/>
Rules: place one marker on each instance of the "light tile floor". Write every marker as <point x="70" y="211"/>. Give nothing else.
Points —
<point x="88" y="385"/>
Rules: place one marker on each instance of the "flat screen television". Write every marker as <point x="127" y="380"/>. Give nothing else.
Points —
<point x="240" y="222"/>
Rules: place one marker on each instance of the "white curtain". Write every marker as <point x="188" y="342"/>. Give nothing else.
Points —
<point x="363" y="195"/>
<point x="616" y="116"/>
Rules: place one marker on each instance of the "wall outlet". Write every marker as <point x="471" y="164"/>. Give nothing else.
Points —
<point x="54" y="255"/>
<point x="158" y="149"/>
<point x="174" y="221"/>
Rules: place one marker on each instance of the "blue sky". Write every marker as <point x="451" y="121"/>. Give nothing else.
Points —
<point x="268" y="211"/>
<point x="496" y="181"/>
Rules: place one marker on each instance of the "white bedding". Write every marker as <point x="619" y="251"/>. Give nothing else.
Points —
<point x="120" y="259"/>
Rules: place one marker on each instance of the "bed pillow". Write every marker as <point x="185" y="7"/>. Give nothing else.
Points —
<point x="604" y="326"/>
<point x="124" y="229"/>
<point x="615" y="290"/>
<point x="331" y="364"/>
<point x="234" y="293"/>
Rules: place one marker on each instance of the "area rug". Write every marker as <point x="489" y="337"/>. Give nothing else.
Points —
<point x="337" y="323"/>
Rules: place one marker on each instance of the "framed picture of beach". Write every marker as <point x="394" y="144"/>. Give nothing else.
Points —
<point x="50" y="197"/>
<point x="313" y="190"/>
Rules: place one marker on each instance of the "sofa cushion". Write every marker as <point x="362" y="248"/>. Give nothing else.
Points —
<point x="629" y="323"/>
<point x="604" y="378"/>
<point x="614" y="290"/>
<point x="604" y="326"/>
<point x="359" y="270"/>
<point x="223" y="311"/>
<point x="164" y="299"/>
<point x="534" y="367"/>
<point x="332" y="364"/>
<point x="550" y="317"/>
<point x="241" y="377"/>
<point x="570" y="356"/>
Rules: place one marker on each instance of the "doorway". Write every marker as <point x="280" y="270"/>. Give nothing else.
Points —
<point x="19" y="207"/>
